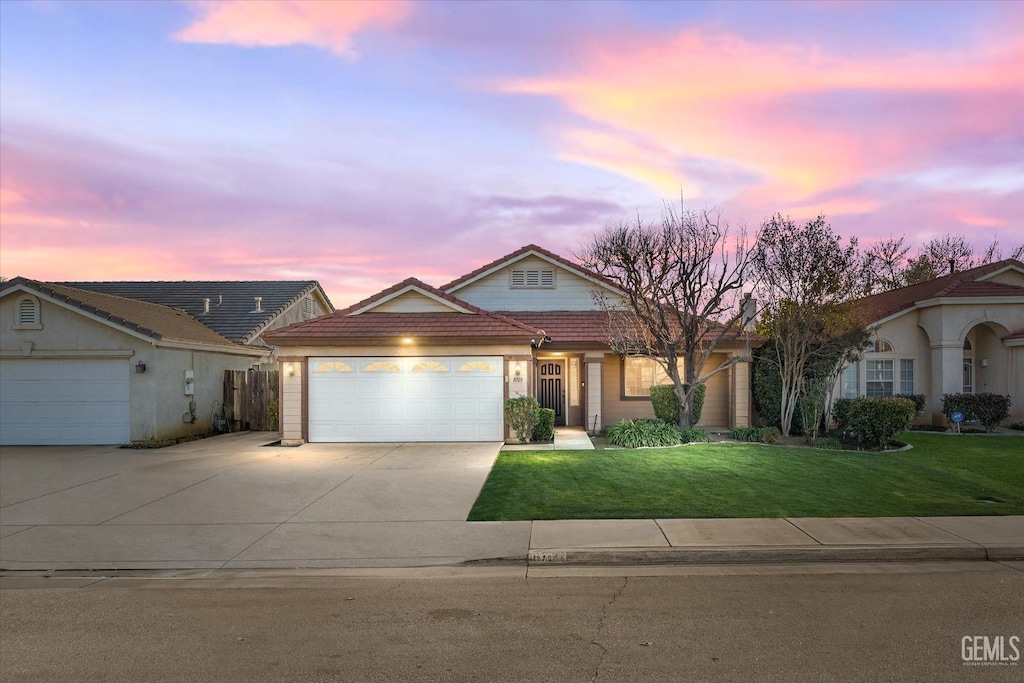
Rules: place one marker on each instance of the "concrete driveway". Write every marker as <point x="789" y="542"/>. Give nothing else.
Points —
<point x="233" y="502"/>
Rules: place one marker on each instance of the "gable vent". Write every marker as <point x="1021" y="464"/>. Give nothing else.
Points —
<point x="533" y="278"/>
<point x="28" y="312"/>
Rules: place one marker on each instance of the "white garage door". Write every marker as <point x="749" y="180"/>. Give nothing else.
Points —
<point x="58" y="402"/>
<point x="406" y="399"/>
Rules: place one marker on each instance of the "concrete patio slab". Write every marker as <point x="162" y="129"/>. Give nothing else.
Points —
<point x="112" y="546"/>
<point x="984" y="530"/>
<point x="597" y="533"/>
<point x="873" y="531"/>
<point x="386" y="542"/>
<point x="733" y="532"/>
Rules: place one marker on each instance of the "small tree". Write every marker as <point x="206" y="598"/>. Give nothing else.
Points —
<point x="681" y="280"/>
<point x="809" y="282"/>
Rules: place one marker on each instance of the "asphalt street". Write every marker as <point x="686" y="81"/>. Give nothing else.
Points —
<point x="798" y="623"/>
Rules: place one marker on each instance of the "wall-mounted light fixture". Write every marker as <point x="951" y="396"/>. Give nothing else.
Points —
<point x="140" y="368"/>
<point x="407" y="340"/>
<point x="289" y="369"/>
<point x="984" y="362"/>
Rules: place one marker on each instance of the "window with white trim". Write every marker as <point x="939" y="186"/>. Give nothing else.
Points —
<point x="851" y="381"/>
<point x="879" y="378"/>
<point x="906" y="375"/>
<point x="26" y="314"/>
<point x="533" y="279"/>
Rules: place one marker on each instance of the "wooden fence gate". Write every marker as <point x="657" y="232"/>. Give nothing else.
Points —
<point x="250" y="400"/>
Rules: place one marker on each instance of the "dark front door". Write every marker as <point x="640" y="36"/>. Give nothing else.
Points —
<point x="552" y="388"/>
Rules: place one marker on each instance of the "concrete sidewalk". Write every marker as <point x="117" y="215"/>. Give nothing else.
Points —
<point x="808" y="539"/>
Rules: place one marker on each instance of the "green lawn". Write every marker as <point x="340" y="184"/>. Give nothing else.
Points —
<point x="941" y="475"/>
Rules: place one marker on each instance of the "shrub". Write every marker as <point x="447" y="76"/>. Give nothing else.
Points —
<point x="841" y="412"/>
<point x="666" y="404"/>
<point x="694" y="435"/>
<point x="643" y="432"/>
<point x="877" y="420"/>
<point x="918" y="399"/>
<point x="1019" y="426"/>
<point x="522" y="414"/>
<point x="769" y="435"/>
<point x="272" y="414"/>
<point x="958" y="403"/>
<point x="745" y="433"/>
<point x="827" y="443"/>
<point x="989" y="409"/>
<point x="544" y="430"/>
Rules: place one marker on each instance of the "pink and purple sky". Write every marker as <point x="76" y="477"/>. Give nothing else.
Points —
<point x="361" y="143"/>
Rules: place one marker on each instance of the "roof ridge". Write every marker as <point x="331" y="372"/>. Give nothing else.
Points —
<point x="520" y="252"/>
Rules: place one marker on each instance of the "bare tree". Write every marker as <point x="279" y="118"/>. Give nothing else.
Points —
<point x="885" y="263"/>
<point x="682" y="281"/>
<point x="809" y="281"/>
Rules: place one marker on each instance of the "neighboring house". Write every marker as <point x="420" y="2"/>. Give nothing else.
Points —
<point x="239" y="311"/>
<point x="80" y="367"/>
<point x="960" y="333"/>
<point x="420" y="363"/>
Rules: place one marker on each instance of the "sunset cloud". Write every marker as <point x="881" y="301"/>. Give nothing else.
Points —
<point x="277" y="23"/>
<point x="798" y="117"/>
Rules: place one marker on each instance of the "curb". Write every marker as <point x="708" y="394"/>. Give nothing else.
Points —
<point x="771" y="555"/>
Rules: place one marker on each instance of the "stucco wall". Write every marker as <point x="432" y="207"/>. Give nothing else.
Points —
<point x="157" y="396"/>
<point x="934" y="338"/>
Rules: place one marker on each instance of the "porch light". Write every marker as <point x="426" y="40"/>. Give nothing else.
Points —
<point x="407" y="340"/>
<point x="289" y="369"/>
<point x="140" y="368"/>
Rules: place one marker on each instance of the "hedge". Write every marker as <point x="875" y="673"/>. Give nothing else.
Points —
<point x="644" y="432"/>
<point x="988" y="409"/>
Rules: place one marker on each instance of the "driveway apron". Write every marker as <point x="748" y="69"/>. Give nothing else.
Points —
<point x="232" y="501"/>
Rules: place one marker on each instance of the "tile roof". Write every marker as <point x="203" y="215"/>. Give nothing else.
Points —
<point x="390" y="325"/>
<point x="232" y="303"/>
<point x="520" y="252"/>
<point x="961" y="284"/>
<point x="343" y="324"/>
<point x="152" y="320"/>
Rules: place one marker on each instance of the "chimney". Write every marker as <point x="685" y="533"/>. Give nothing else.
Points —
<point x="206" y="304"/>
<point x="748" y="312"/>
<point x="952" y="266"/>
<point x="259" y="304"/>
<point x="220" y="299"/>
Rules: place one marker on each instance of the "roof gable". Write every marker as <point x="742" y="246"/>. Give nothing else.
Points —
<point x="141" y="319"/>
<point x="232" y="314"/>
<point x="410" y="296"/>
<point x="530" y="250"/>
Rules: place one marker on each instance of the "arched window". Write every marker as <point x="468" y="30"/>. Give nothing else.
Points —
<point x="879" y="373"/>
<point x="26" y="314"/>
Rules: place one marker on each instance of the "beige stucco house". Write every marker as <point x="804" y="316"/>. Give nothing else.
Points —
<point x="87" y="367"/>
<point x="424" y="363"/>
<point x="960" y="333"/>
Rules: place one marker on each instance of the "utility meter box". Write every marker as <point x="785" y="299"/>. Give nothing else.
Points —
<point x="190" y="383"/>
